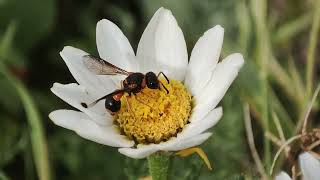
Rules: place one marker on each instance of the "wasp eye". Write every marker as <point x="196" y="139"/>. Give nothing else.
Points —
<point x="152" y="80"/>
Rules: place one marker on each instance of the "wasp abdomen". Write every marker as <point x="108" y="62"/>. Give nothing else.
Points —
<point x="112" y="105"/>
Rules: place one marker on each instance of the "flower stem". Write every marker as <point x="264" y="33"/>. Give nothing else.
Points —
<point x="159" y="166"/>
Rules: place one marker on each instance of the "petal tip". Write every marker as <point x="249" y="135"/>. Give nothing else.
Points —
<point x="163" y="10"/>
<point x="51" y="115"/>
<point x="55" y="86"/>
<point x="215" y="32"/>
<point x="207" y="135"/>
<point x="237" y="59"/>
<point x="103" y="22"/>
<point x="66" y="48"/>
<point x="164" y="13"/>
<point x="218" y="27"/>
<point x="54" y="116"/>
<point x="219" y="110"/>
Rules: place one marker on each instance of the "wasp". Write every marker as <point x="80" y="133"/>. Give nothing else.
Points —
<point x="132" y="84"/>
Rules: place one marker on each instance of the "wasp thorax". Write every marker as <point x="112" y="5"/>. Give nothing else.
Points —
<point x="153" y="116"/>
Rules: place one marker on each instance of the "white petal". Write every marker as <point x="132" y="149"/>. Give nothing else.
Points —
<point x="282" y="176"/>
<point x="222" y="77"/>
<point x="114" y="47"/>
<point x="84" y="127"/>
<point x="140" y="152"/>
<point x="310" y="166"/>
<point x="162" y="46"/>
<point x="176" y="144"/>
<point x="75" y="94"/>
<point x="94" y="83"/>
<point x="203" y="60"/>
<point x="199" y="126"/>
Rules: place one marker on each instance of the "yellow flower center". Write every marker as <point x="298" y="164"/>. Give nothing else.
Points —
<point x="153" y="116"/>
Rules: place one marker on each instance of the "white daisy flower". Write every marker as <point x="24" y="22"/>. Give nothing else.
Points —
<point x="309" y="165"/>
<point x="154" y="121"/>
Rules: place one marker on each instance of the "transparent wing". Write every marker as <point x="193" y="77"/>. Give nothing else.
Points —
<point x="102" y="67"/>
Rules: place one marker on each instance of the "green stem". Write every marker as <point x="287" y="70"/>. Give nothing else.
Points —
<point x="263" y="53"/>
<point x="159" y="166"/>
<point x="37" y="134"/>
<point x="312" y="47"/>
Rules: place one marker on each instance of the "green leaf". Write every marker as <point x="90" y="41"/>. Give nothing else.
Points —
<point x="292" y="28"/>
<point x="6" y="40"/>
<point x="40" y="152"/>
<point x="3" y="176"/>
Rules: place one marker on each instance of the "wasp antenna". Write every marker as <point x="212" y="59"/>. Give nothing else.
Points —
<point x="85" y="105"/>
<point x="163" y="76"/>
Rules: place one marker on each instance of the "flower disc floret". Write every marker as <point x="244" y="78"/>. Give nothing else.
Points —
<point x="153" y="116"/>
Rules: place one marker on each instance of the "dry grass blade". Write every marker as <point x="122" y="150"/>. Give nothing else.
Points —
<point x="305" y="121"/>
<point x="250" y="139"/>
<point x="313" y="145"/>
<point x="281" y="149"/>
<point x="278" y="126"/>
<point x="273" y="138"/>
<point x="312" y="47"/>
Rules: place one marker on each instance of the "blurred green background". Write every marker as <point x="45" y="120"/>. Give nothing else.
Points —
<point x="278" y="38"/>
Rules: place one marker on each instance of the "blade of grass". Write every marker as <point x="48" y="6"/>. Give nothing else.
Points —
<point x="281" y="111"/>
<point x="243" y="18"/>
<point x="289" y="141"/>
<point x="3" y="176"/>
<point x="39" y="146"/>
<point x="281" y="77"/>
<point x="16" y="149"/>
<point x="297" y="82"/>
<point x="312" y="47"/>
<point x="277" y="107"/>
<point x="308" y="110"/>
<point x="292" y="28"/>
<point x="276" y="121"/>
<point x="7" y="39"/>
<point x="258" y="9"/>
<point x="250" y="138"/>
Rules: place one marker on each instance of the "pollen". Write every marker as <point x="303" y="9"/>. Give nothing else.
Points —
<point x="152" y="115"/>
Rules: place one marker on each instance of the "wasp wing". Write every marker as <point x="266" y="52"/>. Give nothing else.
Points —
<point x="102" y="67"/>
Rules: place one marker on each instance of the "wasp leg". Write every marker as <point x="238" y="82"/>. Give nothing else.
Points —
<point x="163" y="76"/>
<point x="129" y="107"/>
<point x="143" y="102"/>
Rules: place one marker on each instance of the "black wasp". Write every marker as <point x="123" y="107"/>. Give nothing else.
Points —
<point x="133" y="83"/>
